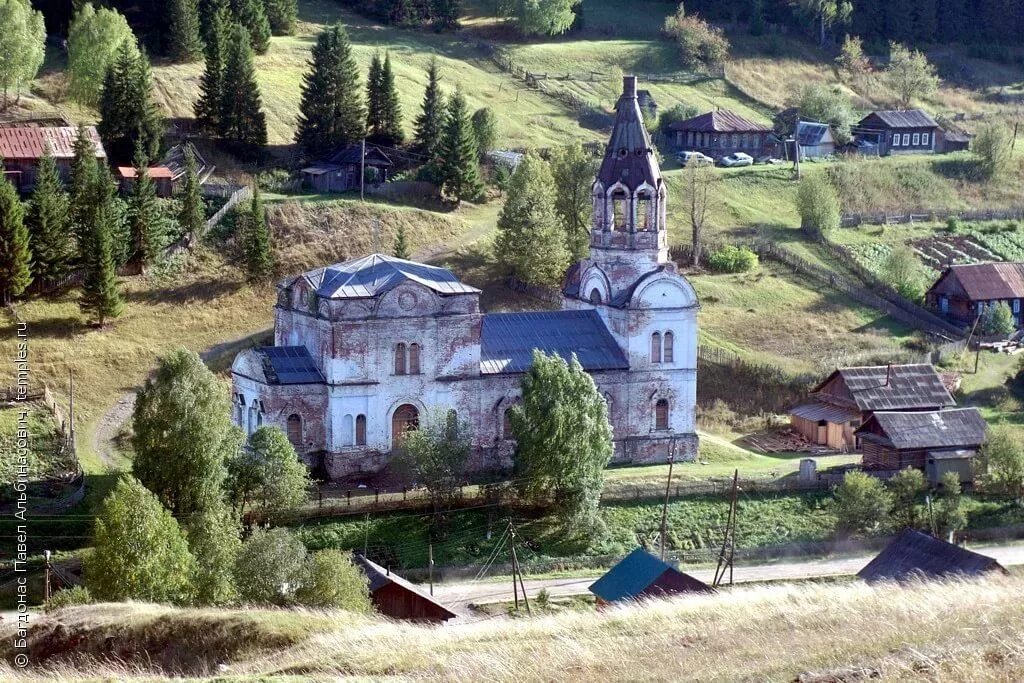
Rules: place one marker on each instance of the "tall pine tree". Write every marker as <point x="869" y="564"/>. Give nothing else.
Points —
<point x="185" y="45"/>
<point x="146" y="221"/>
<point x="48" y="223"/>
<point x="128" y="113"/>
<point x="402" y="244"/>
<point x="253" y="16"/>
<point x="374" y="98"/>
<point x="242" y="121"/>
<point x="331" y="111"/>
<point x="211" y="94"/>
<point x="430" y="122"/>
<point x="391" y="109"/>
<point x="458" y="165"/>
<point x="83" y="180"/>
<point x="282" y="15"/>
<point x="259" y="257"/>
<point x="101" y="297"/>
<point x="192" y="217"/>
<point x="15" y="253"/>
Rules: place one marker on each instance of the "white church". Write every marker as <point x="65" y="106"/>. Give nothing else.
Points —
<point x="362" y="349"/>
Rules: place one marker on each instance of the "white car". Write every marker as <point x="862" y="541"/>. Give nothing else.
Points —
<point x="685" y="158"/>
<point x="736" y="159"/>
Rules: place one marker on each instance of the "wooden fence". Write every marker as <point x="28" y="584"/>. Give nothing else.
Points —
<point x="239" y="194"/>
<point x="849" y="220"/>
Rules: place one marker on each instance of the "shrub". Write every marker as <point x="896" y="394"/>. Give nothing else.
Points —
<point x="333" y="580"/>
<point x="997" y="320"/>
<point x="954" y="225"/>
<point x="69" y="597"/>
<point x="862" y="504"/>
<point x="818" y="205"/>
<point x="819" y="102"/>
<point x="730" y="259"/>
<point x="699" y="43"/>
<point x="270" y="567"/>
<point x="677" y="112"/>
<point x="992" y="145"/>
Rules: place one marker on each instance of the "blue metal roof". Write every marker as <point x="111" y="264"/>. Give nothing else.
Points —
<point x="630" y="577"/>
<point x="378" y="273"/>
<point x="810" y="133"/>
<point x="507" y="340"/>
<point x="289" y="365"/>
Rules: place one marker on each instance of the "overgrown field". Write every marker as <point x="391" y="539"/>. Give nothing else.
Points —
<point x="43" y="442"/>
<point x="942" y="631"/>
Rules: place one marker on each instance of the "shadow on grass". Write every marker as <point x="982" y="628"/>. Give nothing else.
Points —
<point x="192" y="292"/>
<point x="220" y="356"/>
<point x="49" y="328"/>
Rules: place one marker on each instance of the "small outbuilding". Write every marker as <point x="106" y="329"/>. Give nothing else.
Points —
<point x="397" y="598"/>
<point x="935" y="441"/>
<point x="963" y="292"/>
<point x="640" y="576"/>
<point x="341" y="172"/>
<point x="814" y="139"/>
<point x="161" y="175"/>
<point x="174" y="161"/>
<point x="914" y="555"/>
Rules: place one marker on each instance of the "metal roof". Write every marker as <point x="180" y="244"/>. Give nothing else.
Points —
<point x="378" y="577"/>
<point x="378" y="273"/>
<point x="818" y="410"/>
<point x="990" y="281"/>
<point x="719" y="121"/>
<point x="810" y="133"/>
<point x="894" y="387"/>
<point x="30" y="142"/>
<point x="152" y="172"/>
<point x="508" y="340"/>
<point x="353" y="154"/>
<point x="954" y="428"/>
<point x="629" y="157"/>
<point x="289" y="365"/>
<point x="911" y="118"/>
<point x="913" y="555"/>
<point x="640" y="572"/>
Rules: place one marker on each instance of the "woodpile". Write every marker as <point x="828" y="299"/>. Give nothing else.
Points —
<point x="783" y="441"/>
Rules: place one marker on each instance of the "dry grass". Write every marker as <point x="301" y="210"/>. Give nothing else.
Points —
<point x="951" y="631"/>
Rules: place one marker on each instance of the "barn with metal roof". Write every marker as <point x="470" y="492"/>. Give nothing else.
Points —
<point x="913" y="556"/>
<point x="642" y="576"/>
<point x="21" y="148"/>
<point x="398" y="598"/>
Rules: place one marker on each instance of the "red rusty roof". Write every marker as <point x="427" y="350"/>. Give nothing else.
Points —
<point x="29" y="143"/>
<point x="990" y="281"/>
<point x="720" y="121"/>
<point x="154" y="172"/>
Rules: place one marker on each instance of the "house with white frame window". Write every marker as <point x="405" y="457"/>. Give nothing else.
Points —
<point x="899" y="132"/>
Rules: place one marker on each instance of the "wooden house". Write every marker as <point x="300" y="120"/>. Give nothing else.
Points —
<point x="720" y="133"/>
<point x="397" y="598"/>
<point x="847" y="397"/>
<point x="21" y="149"/>
<point x="936" y="441"/>
<point x="161" y="175"/>
<point x="913" y="556"/>
<point x="953" y="141"/>
<point x="815" y="140"/>
<point x="963" y="291"/>
<point x="341" y="171"/>
<point x="640" y="576"/>
<point x="900" y="132"/>
<point x="174" y="161"/>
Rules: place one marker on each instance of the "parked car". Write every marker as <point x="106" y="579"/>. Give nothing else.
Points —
<point x="736" y="159"/>
<point x="685" y="158"/>
<point x="770" y="160"/>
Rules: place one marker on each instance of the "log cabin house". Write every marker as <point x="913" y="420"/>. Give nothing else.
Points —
<point x="936" y="441"/>
<point x="912" y="131"/>
<point x="22" y="148"/>
<point x="642" y="576"/>
<point x="963" y="291"/>
<point x="847" y="397"/>
<point x="161" y="175"/>
<point x="341" y="171"/>
<point x="720" y="133"/>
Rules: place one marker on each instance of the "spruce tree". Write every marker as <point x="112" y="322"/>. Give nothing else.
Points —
<point x="331" y="111"/>
<point x="282" y="15"/>
<point x="458" y="166"/>
<point x="48" y="223"/>
<point x="374" y="98"/>
<point x="259" y="259"/>
<point x="253" y="16"/>
<point x="445" y="14"/>
<point x="430" y="122"/>
<point x="101" y="296"/>
<point x="146" y="224"/>
<point x="242" y="121"/>
<point x="15" y="254"/>
<point x="83" y="180"/>
<point x="192" y="218"/>
<point x="128" y="112"/>
<point x="207" y="107"/>
<point x="402" y="244"/>
<point x="391" y="108"/>
<point x="185" y="43"/>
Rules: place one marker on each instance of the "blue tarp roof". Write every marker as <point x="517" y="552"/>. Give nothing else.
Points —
<point x="289" y="365"/>
<point x="630" y="577"/>
<point x="507" y="340"/>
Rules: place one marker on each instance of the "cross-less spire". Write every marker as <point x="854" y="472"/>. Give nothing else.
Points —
<point x="629" y="157"/>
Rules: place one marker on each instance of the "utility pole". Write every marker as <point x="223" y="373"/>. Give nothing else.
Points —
<point x="512" y="553"/>
<point x="931" y="515"/>
<point x="362" y="170"/>
<point x="515" y="567"/>
<point x="46" y="576"/>
<point x="71" y="410"/>
<point x="796" y="158"/>
<point x="430" y="566"/>
<point x="366" y="534"/>
<point x="668" y="487"/>
<point x="725" y="558"/>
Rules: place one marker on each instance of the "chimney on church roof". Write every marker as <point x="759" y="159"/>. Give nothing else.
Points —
<point x="629" y="86"/>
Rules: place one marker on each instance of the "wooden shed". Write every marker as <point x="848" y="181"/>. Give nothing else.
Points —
<point x="962" y="292"/>
<point x="341" y="171"/>
<point x="397" y="598"/>
<point x="161" y="175"/>
<point x="814" y="139"/>
<point x="913" y="555"/>
<point x="935" y="441"/>
<point x="639" y="576"/>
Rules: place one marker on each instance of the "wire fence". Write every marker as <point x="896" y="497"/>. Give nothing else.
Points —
<point x="925" y="215"/>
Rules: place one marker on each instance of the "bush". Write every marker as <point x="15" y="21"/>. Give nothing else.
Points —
<point x="997" y="320"/>
<point x="677" y="112"/>
<point x="954" y="225"/>
<point x="69" y="597"/>
<point x="992" y="145"/>
<point x="819" y="102"/>
<point x="730" y="259"/>
<point x="818" y="205"/>
<point x="270" y="567"/>
<point x="699" y="42"/>
<point x="862" y="504"/>
<point x="332" y="580"/>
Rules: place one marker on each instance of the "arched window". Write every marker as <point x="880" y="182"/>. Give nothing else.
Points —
<point x="506" y="424"/>
<point x="643" y="210"/>
<point x="414" y="359"/>
<point x="668" y="352"/>
<point x="619" y="205"/>
<point x="360" y="430"/>
<point x="405" y="419"/>
<point x="400" y="359"/>
<point x="240" y="410"/>
<point x="346" y="431"/>
<point x="661" y="414"/>
<point x="656" y="347"/>
<point x="255" y="416"/>
<point x="294" y="430"/>
<point x="595" y="296"/>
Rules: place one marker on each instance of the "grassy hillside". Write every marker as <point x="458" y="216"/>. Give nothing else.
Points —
<point x="944" y="631"/>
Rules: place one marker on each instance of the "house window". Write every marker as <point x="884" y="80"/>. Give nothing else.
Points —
<point x="917" y="139"/>
<point x="1016" y="306"/>
<point x="346" y="430"/>
<point x="240" y="410"/>
<point x="400" y="359"/>
<point x="896" y="140"/>
<point x="294" y="430"/>
<point x="906" y="139"/>
<point x="924" y="139"/>
<point x="360" y="430"/>
<point x="667" y="352"/>
<point x="944" y="304"/>
<point x="661" y="414"/>
<point x="506" y="424"/>
<point x="414" y="359"/>
<point x="981" y="307"/>
<point x="595" y="296"/>
<point x="656" y="347"/>
<point x="406" y="419"/>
